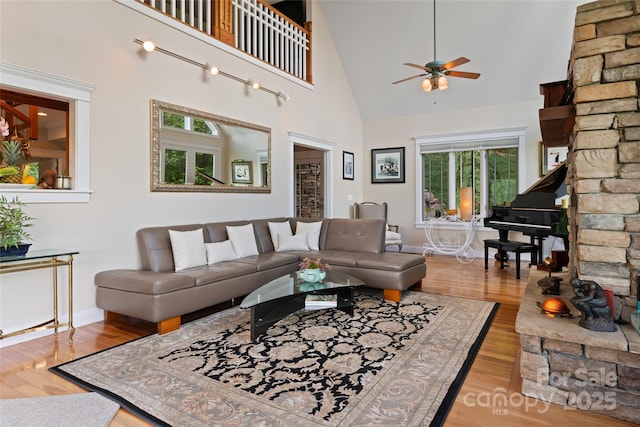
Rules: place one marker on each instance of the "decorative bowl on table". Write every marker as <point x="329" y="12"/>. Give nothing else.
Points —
<point x="308" y="287"/>
<point x="312" y="275"/>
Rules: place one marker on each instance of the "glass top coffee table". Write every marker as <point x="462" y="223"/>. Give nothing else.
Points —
<point x="287" y="294"/>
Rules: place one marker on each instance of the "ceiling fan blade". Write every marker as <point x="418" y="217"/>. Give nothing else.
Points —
<point x="422" y="67"/>
<point x="409" y="78"/>
<point x="449" y="65"/>
<point x="463" y="74"/>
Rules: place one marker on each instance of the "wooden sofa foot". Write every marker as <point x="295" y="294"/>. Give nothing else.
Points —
<point x="169" y="325"/>
<point x="416" y="286"/>
<point x="392" y="295"/>
<point x="110" y="315"/>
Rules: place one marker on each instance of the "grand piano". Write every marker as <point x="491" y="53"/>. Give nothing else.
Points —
<point x="533" y="212"/>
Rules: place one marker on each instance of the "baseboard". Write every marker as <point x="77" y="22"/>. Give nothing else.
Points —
<point x="412" y="249"/>
<point x="79" y="319"/>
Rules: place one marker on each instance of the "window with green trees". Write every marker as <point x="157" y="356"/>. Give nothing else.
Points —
<point x="183" y="161"/>
<point x="486" y="162"/>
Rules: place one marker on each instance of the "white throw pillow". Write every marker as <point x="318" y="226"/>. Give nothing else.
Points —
<point x="312" y="229"/>
<point x="243" y="240"/>
<point x="188" y="248"/>
<point x="293" y="243"/>
<point x="279" y="229"/>
<point x="220" y="251"/>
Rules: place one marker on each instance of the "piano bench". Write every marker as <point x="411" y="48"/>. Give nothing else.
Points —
<point x="510" y="246"/>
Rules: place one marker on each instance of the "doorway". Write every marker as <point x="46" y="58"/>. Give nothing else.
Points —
<point x="311" y="161"/>
<point x="309" y="182"/>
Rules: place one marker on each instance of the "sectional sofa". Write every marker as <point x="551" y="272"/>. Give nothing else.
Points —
<point x="240" y="256"/>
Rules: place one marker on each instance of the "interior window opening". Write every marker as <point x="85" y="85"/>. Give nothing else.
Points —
<point x="40" y="127"/>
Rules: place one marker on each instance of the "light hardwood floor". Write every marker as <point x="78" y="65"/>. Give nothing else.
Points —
<point x="493" y="378"/>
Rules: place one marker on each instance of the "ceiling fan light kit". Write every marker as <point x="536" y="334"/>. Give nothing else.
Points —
<point x="436" y="71"/>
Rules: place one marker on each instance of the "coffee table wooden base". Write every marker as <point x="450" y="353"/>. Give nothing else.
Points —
<point x="266" y="314"/>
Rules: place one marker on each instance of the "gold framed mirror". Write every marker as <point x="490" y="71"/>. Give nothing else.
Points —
<point x="193" y="150"/>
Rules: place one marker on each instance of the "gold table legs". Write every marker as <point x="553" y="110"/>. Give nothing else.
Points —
<point x="52" y="262"/>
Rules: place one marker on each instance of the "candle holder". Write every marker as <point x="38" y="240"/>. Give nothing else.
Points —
<point x="63" y="182"/>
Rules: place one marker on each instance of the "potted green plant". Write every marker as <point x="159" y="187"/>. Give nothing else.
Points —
<point x="13" y="222"/>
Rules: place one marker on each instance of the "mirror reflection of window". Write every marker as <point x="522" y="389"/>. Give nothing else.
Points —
<point x="205" y="164"/>
<point x="175" y="166"/>
<point x="193" y="151"/>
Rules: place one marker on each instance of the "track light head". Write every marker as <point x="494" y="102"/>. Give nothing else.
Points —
<point x="149" y="45"/>
<point x="283" y="95"/>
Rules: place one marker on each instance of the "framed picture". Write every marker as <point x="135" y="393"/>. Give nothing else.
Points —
<point x="347" y="165"/>
<point x="242" y="172"/>
<point x="387" y="165"/>
<point x="551" y="157"/>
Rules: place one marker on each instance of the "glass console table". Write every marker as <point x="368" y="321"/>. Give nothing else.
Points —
<point x="35" y="260"/>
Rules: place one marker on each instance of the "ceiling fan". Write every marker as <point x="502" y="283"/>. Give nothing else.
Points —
<point x="436" y="71"/>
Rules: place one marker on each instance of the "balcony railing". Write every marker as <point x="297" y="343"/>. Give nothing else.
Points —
<point x="251" y="26"/>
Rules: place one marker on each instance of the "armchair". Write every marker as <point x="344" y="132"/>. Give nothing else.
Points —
<point x="372" y="210"/>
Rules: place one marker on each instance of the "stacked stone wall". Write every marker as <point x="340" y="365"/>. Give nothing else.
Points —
<point x="581" y="376"/>
<point x="604" y="151"/>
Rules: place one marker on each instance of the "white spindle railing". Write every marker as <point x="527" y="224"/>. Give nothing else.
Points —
<point x="258" y="30"/>
<point x="269" y="36"/>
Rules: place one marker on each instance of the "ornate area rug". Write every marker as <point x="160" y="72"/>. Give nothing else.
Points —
<point x="389" y="364"/>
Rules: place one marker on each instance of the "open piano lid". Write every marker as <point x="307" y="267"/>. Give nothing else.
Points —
<point x="552" y="181"/>
<point x="544" y="192"/>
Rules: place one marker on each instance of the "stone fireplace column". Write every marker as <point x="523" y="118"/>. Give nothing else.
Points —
<point x="604" y="151"/>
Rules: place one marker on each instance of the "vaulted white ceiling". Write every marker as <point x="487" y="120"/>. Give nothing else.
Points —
<point x="515" y="44"/>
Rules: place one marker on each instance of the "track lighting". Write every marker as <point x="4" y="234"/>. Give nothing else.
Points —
<point x="150" y="46"/>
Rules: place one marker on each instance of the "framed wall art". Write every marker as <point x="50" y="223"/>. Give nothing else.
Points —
<point x="347" y="165"/>
<point x="242" y="172"/>
<point x="387" y="165"/>
<point x="551" y="157"/>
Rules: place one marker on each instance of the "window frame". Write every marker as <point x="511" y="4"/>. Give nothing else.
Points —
<point x="191" y="150"/>
<point x="78" y="95"/>
<point x="465" y="141"/>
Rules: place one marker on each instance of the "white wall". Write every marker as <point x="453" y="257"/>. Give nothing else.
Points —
<point x="92" y="42"/>
<point x="398" y="132"/>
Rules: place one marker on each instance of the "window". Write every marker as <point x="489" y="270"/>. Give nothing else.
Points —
<point x="193" y="157"/>
<point x="77" y="96"/>
<point x="43" y="126"/>
<point x="487" y="162"/>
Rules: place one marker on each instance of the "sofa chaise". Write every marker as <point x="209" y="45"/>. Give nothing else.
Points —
<point x="160" y="292"/>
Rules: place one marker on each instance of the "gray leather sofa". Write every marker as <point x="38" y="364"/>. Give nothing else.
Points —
<point x="157" y="293"/>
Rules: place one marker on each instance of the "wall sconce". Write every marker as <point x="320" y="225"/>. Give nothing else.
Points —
<point x="466" y="203"/>
<point x="150" y="46"/>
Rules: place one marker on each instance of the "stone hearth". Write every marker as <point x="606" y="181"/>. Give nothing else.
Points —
<point x="565" y="364"/>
